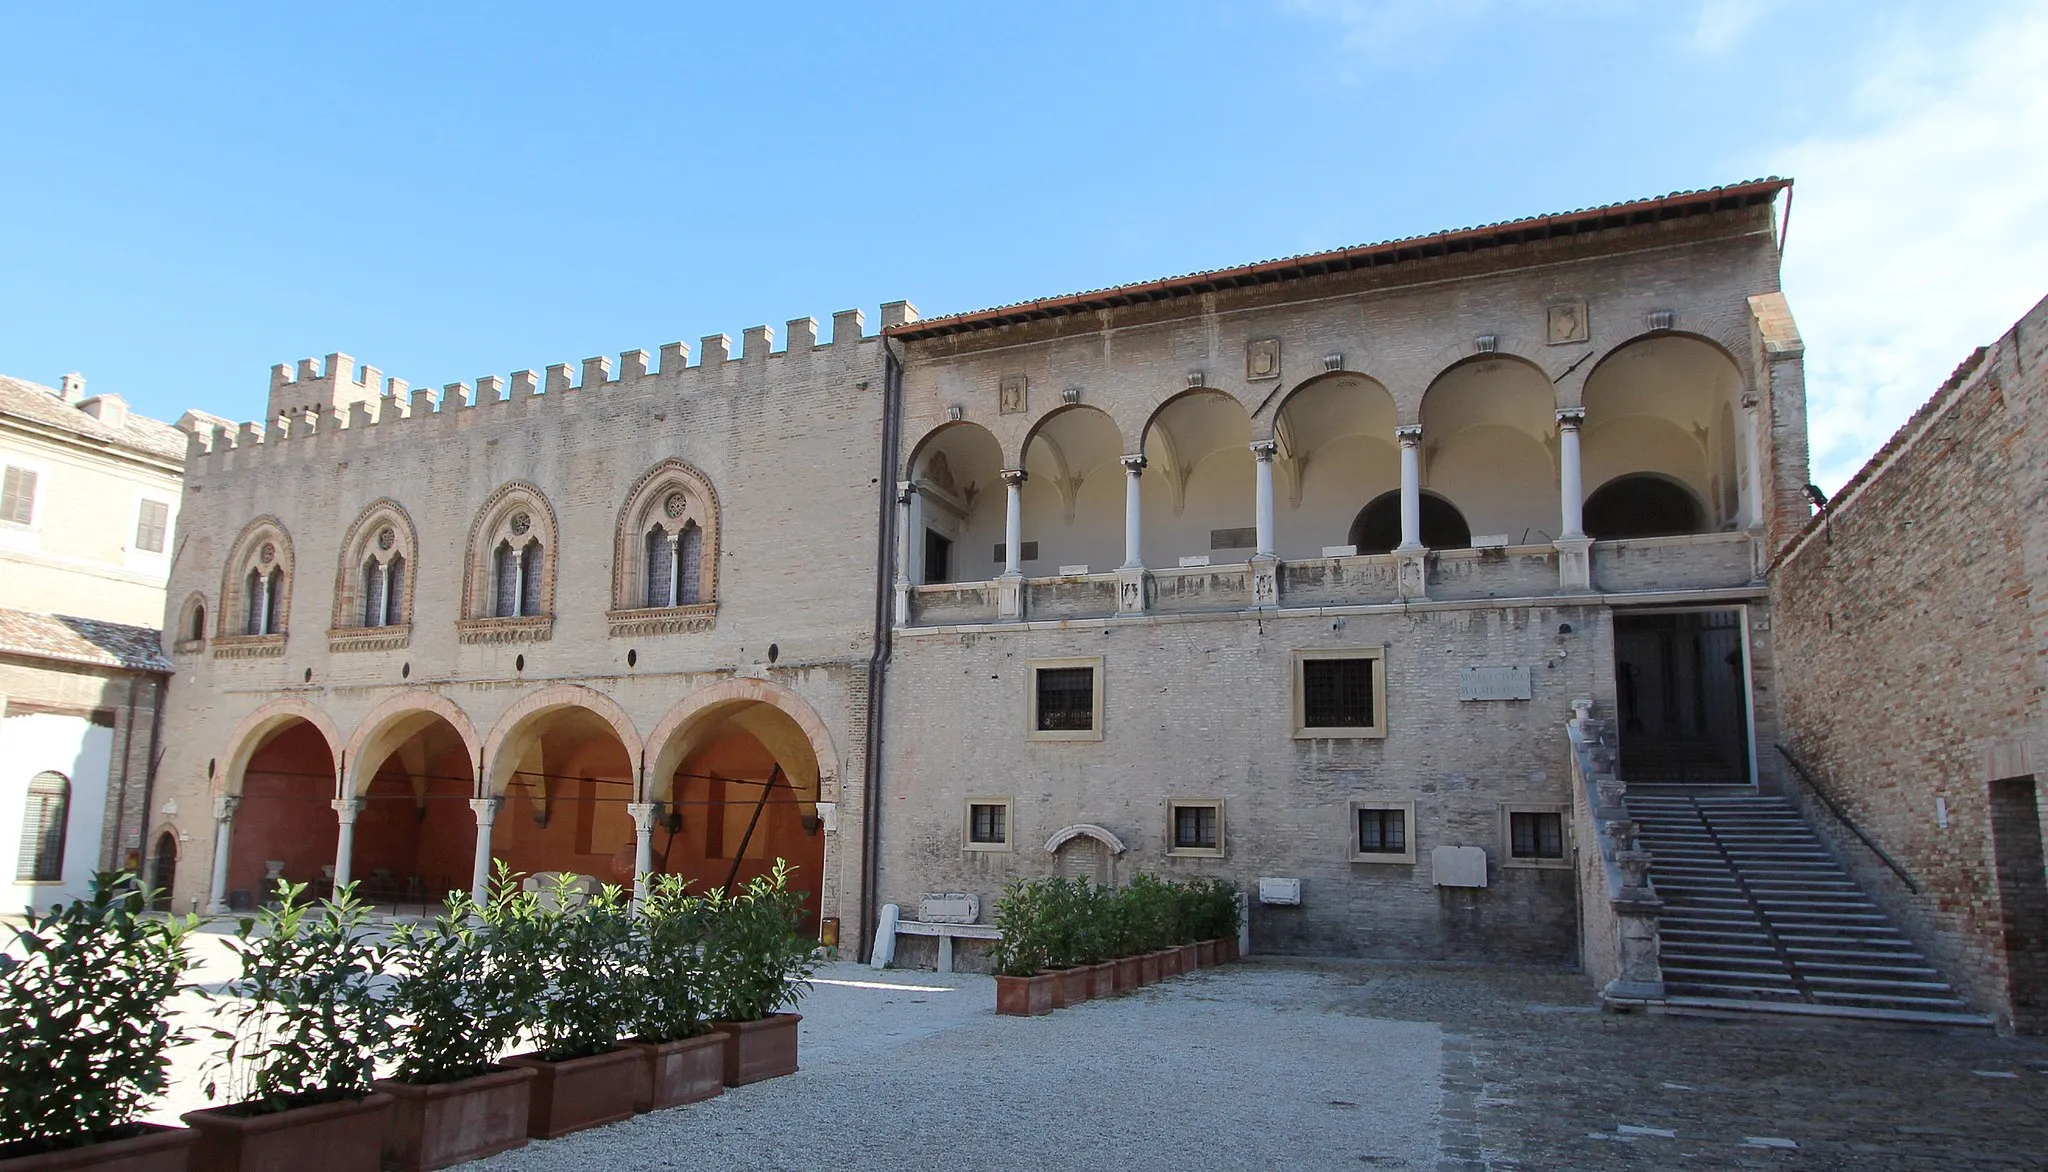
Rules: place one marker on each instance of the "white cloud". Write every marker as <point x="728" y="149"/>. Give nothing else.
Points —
<point x="1723" y="22"/>
<point x="1921" y="233"/>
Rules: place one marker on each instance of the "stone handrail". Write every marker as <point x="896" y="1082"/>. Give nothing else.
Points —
<point x="1618" y="908"/>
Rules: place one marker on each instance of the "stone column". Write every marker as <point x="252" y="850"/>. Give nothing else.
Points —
<point x="1410" y="438"/>
<point x="1574" y="548"/>
<point x="643" y="845"/>
<point x="907" y="518"/>
<point x="1752" y="446"/>
<point x="1265" y="574"/>
<point x="486" y="811"/>
<point x="1010" y="590"/>
<point x="346" y="810"/>
<point x="223" y="838"/>
<point x="1134" y="531"/>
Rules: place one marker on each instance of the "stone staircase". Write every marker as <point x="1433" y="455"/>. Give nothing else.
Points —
<point x="1759" y="917"/>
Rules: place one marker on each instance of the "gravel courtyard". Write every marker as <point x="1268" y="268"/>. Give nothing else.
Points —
<point x="1299" y="1064"/>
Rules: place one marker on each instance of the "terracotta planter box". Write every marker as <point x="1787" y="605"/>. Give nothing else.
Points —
<point x="1151" y="967"/>
<point x="1077" y="984"/>
<point x="346" y="1135"/>
<point x="579" y="1093"/>
<point x="674" y="1073"/>
<point x="157" y="1149"/>
<point x="1227" y="950"/>
<point x="436" y="1125"/>
<point x="1025" y="996"/>
<point x="755" y="1050"/>
<point x="1205" y="954"/>
<point x="1175" y="962"/>
<point x="1130" y="973"/>
<point x="1102" y="979"/>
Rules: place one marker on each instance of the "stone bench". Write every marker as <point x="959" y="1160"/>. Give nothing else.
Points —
<point x="949" y="917"/>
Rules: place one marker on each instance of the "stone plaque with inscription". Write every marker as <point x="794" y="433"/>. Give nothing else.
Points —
<point x="1013" y="397"/>
<point x="1262" y="359"/>
<point x="949" y="907"/>
<point x="1493" y="683"/>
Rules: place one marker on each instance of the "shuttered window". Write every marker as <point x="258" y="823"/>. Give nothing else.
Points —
<point x="18" y="496"/>
<point x="42" y="829"/>
<point x="151" y="520"/>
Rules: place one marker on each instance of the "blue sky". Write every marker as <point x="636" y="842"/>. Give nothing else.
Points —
<point x="444" y="191"/>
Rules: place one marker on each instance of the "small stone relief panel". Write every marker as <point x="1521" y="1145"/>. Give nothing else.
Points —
<point x="1262" y="359"/>
<point x="1567" y="323"/>
<point x="1013" y="395"/>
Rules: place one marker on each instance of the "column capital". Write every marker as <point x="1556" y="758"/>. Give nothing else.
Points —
<point x="1014" y="476"/>
<point x="1135" y="465"/>
<point x="1264" y="449"/>
<point x="905" y="489"/>
<point x="1569" y="417"/>
<point x="643" y="815"/>
<point x="485" y="809"/>
<point x="1409" y="434"/>
<point x="224" y="807"/>
<point x="347" y="808"/>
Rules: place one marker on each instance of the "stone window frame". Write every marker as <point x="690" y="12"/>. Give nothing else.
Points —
<point x="1173" y="808"/>
<point x="495" y="523"/>
<point x="1031" y="730"/>
<point x="1407" y="808"/>
<point x="38" y="493"/>
<point x="359" y="544"/>
<point x="648" y="495"/>
<point x="1377" y="730"/>
<point x="1508" y="858"/>
<point x="1009" y="842"/>
<point x="232" y="639"/>
<point x="190" y="633"/>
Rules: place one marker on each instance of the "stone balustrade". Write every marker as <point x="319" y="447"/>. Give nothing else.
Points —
<point x="1618" y="907"/>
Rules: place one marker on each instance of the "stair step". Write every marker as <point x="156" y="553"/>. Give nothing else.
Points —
<point x="1717" y="1005"/>
<point x="1890" y="1000"/>
<point x="1740" y="992"/>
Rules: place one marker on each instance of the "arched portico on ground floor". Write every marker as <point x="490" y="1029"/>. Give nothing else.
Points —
<point x="417" y="802"/>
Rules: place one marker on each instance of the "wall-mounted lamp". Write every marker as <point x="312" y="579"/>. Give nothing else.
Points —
<point x="1820" y="501"/>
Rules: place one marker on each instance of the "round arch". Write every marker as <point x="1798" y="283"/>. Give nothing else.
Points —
<point x="671" y="737"/>
<point x="260" y="725"/>
<point x="1067" y="834"/>
<point x="1377" y="528"/>
<point x="518" y="720"/>
<point x="1666" y="403"/>
<point x="1643" y="504"/>
<point x="394" y="721"/>
<point x="949" y="435"/>
<point x="1160" y="408"/>
<point x="957" y="511"/>
<point x="1572" y="389"/>
<point x="1073" y="491"/>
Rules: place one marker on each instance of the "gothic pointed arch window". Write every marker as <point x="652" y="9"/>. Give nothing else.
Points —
<point x="509" y="591"/>
<point x="665" y="569"/>
<point x="256" y="592"/>
<point x="373" y="586"/>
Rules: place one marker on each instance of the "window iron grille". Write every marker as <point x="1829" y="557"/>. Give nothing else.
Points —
<point x="1337" y="693"/>
<point x="1066" y="699"/>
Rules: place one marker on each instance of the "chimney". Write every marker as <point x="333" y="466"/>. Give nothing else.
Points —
<point x="73" y="385"/>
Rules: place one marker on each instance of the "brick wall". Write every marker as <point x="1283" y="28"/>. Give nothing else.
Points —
<point x="1910" y="650"/>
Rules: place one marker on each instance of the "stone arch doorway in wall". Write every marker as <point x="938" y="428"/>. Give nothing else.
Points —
<point x="411" y="770"/>
<point x="1377" y="528"/>
<point x="1086" y="852"/>
<point x="565" y="764"/>
<point x="282" y="779"/>
<point x="745" y="774"/>
<point x="1681" y="681"/>
<point x="1642" y="504"/>
<point x="163" y="870"/>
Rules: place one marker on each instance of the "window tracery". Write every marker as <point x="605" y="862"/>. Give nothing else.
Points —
<point x="510" y="588"/>
<point x="373" y="585"/>
<point x="256" y="592"/>
<point x="665" y="569"/>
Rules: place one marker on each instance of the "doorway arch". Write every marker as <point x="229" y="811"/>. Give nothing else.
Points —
<point x="1377" y="528"/>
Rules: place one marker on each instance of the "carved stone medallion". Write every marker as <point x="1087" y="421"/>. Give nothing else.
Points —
<point x="385" y="538"/>
<point x="268" y="553"/>
<point x="1262" y="359"/>
<point x="1566" y="323"/>
<point x="520" y="524"/>
<point x="1013" y="395"/>
<point x="674" y="504"/>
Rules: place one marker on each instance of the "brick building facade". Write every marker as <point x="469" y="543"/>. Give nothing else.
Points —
<point x="1911" y="641"/>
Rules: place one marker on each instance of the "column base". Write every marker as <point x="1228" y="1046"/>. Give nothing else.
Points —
<point x="1133" y="589"/>
<point x="1574" y="563"/>
<point x="1265" y="581"/>
<point x="1411" y="574"/>
<point x="1010" y="596"/>
<point x="902" y="604"/>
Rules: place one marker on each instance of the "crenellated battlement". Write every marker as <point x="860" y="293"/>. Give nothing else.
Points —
<point x="315" y="398"/>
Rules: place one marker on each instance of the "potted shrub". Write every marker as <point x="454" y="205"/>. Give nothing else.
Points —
<point x="1023" y="988"/>
<point x="83" y="1039"/>
<point x="582" y="942"/>
<point x="305" y="1031"/>
<point x="757" y="960"/>
<point x="458" y="1000"/>
<point x="682" y="1057"/>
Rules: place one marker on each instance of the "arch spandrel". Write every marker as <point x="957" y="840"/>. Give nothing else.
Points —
<point x="511" y="735"/>
<point x="265" y="722"/>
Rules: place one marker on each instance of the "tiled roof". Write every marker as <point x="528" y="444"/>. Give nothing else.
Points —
<point x="41" y="405"/>
<point x="1673" y="206"/>
<point x="76" y="640"/>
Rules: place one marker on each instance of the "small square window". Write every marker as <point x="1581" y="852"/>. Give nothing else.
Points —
<point x="988" y="824"/>
<point x="1340" y="693"/>
<point x="1195" y="827"/>
<point x="1382" y="832"/>
<point x="1535" y="836"/>
<point x="1065" y="700"/>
